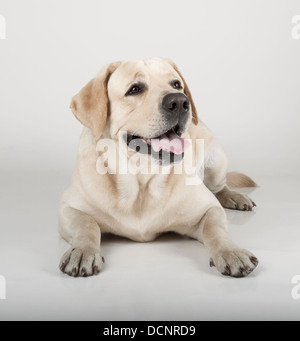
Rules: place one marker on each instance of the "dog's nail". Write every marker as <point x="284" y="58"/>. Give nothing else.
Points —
<point x="74" y="272"/>
<point x="243" y="272"/>
<point x="254" y="204"/>
<point x="254" y="260"/>
<point x="211" y="263"/>
<point x="83" y="272"/>
<point x="245" y="207"/>
<point x="227" y="271"/>
<point x="62" y="266"/>
<point x="248" y="269"/>
<point x="95" y="270"/>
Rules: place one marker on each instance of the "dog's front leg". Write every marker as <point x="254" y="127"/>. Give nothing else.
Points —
<point x="229" y="259"/>
<point x="82" y="231"/>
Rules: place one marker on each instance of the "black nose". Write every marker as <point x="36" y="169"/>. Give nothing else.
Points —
<point x="176" y="103"/>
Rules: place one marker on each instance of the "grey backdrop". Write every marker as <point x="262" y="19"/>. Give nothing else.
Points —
<point x="238" y="57"/>
<point x="242" y="63"/>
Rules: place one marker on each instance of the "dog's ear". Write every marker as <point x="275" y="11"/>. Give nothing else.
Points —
<point x="187" y="92"/>
<point x="90" y="106"/>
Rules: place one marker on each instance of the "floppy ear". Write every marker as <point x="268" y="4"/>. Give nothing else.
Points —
<point x="90" y="105"/>
<point x="187" y="92"/>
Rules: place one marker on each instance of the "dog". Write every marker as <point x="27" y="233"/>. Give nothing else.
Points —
<point x="141" y="107"/>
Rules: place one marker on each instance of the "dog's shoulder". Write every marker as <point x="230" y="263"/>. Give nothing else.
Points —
<point x="200" y="131"/>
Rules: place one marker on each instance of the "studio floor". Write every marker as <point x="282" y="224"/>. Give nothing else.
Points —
<point x="168" y="279"/>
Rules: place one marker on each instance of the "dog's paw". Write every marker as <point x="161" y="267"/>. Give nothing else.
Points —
<point x="235" y="200"/>
<point x="81" y="262"/>
<point x="235" y="263"/>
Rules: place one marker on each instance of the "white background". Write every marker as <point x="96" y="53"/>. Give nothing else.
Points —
<point x="242" y="66"/>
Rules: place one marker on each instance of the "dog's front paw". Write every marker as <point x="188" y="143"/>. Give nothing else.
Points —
<point x="81" y="262"/>
<point x="234" y="200"/>
<point x="235" y="263"/>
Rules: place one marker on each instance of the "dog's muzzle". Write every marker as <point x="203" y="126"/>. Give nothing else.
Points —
<point x="167" y="146"/>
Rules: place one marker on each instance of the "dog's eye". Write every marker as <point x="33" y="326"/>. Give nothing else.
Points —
<point x="177" y="85"/>
<point x="134" y="90"/>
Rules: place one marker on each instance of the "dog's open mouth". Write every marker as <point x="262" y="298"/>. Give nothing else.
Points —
<point x="166" y="148"/>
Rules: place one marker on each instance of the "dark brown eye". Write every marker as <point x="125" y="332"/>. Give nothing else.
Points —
<point x="134" y="90"/>
<point x="177" y="85"/>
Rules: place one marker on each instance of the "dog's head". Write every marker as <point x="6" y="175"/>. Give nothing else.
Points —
<point x="149" y="100"/>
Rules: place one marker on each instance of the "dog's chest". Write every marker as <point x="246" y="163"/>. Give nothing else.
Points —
<point x="140" y="193"/>
<point x="147" y="207"/>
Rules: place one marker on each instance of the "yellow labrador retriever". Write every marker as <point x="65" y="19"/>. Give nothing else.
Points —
<point x="141" y="113"/>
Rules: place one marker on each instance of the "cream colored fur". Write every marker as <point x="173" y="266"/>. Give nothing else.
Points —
<point x="141" y="207"/>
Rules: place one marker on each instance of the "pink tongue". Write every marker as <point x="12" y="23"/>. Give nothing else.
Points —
<point x="171" y="142"/>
